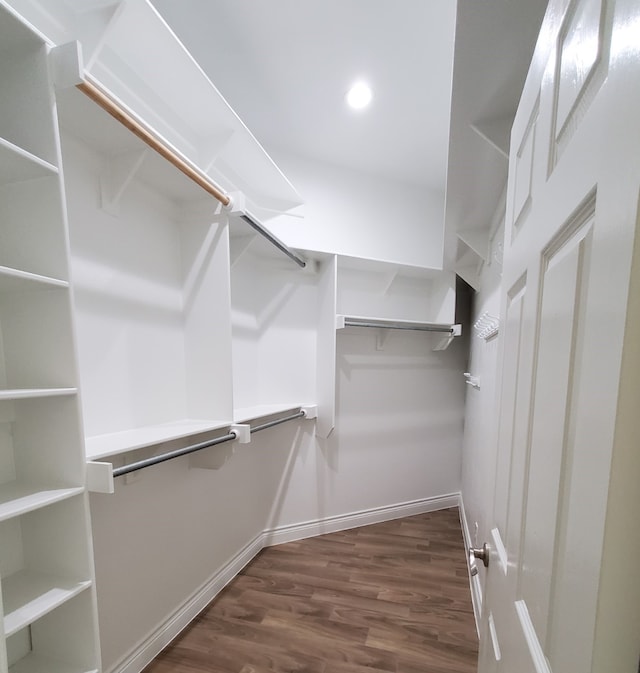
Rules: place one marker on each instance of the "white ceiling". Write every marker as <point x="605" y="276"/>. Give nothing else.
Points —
<point x="285" y="66"/>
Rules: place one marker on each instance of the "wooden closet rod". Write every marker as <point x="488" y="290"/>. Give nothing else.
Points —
<point x="138" y="129"/>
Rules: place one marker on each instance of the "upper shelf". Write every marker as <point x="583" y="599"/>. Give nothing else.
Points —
<point x="131" y="52"/>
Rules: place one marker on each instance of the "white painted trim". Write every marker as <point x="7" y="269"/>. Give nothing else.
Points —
<point x="150" y="647"/>
<point x="535" y="649"/>
<point x="474" y="581"/>
<point x="143" y="653"/>
<point x="332" y="524"/>
<point x="494" y="638"/>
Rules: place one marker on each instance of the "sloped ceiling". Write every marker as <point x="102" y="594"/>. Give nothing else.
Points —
<point x="286" y="65"/>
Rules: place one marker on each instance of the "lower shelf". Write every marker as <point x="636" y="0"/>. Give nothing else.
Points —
<point x="17" y="499"/>
<point x="114" y="443"/>
<point x="27" y="596"/>
<point x="34" y="664"/>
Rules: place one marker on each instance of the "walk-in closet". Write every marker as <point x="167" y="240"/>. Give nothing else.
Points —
<point x="210" y="351"/>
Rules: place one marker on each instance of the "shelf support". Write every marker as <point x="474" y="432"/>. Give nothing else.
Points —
<point x="213" y="147"/>
<point x="118" y="175"/>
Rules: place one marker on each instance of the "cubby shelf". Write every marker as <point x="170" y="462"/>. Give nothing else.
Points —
<point x="15" y="279"/>
<point x="16" y="164"/>
<point x="35" y="664"/>
<point x="24" y="393"/>
<point x="27" y="596"/>
<point x="115" y="443"/>
<point x="17" y="499"/>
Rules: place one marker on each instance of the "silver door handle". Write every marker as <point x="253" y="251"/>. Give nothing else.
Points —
<point x="480" y="554"/>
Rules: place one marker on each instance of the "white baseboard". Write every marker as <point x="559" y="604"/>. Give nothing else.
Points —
<point x="474" y="581"/>
<point x="332" y="524"/>
<point x="151" y="646"/>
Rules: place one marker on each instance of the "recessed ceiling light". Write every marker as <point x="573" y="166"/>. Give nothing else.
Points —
<point x="359" y="96"/>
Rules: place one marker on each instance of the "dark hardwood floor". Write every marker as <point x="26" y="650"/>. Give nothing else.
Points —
<point x="388" y="598"/>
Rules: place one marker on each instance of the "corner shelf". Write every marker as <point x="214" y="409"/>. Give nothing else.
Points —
<point x="27" y="596"/>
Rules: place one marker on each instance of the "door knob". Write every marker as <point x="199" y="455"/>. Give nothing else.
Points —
<point x="481" y="554"/>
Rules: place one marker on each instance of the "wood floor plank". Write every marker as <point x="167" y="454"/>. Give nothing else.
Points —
<point x="387" y="598"/>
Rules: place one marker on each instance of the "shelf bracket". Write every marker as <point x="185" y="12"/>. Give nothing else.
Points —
<point x="239" y="247"/>
<point x="444" y="343"/>
<point x="381" y="339"/>
<point x="388" y="281"/>
<point x="213" y="147"/>
<point x="119" y="173"/>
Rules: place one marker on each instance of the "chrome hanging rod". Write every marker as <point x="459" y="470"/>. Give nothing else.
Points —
<point x="154" y="460"/>
<point x="270" y="424"/>
<point x="253" y="222"/>
<point x="350" y="322"/>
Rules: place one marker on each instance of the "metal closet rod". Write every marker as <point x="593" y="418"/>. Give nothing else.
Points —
<point x="253" y="222"/>
<point x="98" y="96"/>
<point x="270" y="424"/>
<point x="397" y="325"/>
<point x="154" y="460"/>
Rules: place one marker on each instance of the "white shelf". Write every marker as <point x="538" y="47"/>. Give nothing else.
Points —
<point x="114" y="443"/>
<point x="408" y="324"/>
<point x="34" y="664"/>
<point x="158" y="80"/>
<point x="17" y="499"/>
<point x="260" y="411"/>
<point x="24" y="393"/>
<point x="28" y="596"/>
<point x="14" y="279"/>
<point x="371" y="265"/>
<point x="17" y="164"/>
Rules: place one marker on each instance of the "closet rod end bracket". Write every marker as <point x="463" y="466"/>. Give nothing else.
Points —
<point x="310" y="411"/>
<point x="237" y="204"/>
<point x="243" y="432"/>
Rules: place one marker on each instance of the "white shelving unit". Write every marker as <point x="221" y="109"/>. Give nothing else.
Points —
<point x="151" y="289"/>
<point x="46" y="565"/>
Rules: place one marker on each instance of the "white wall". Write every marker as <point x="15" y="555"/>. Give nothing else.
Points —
<point x="350" y="213"/>
<point x="479" y="445"/>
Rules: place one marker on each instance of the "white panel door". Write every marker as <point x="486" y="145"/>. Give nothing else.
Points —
<point x="572" y="209"/>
